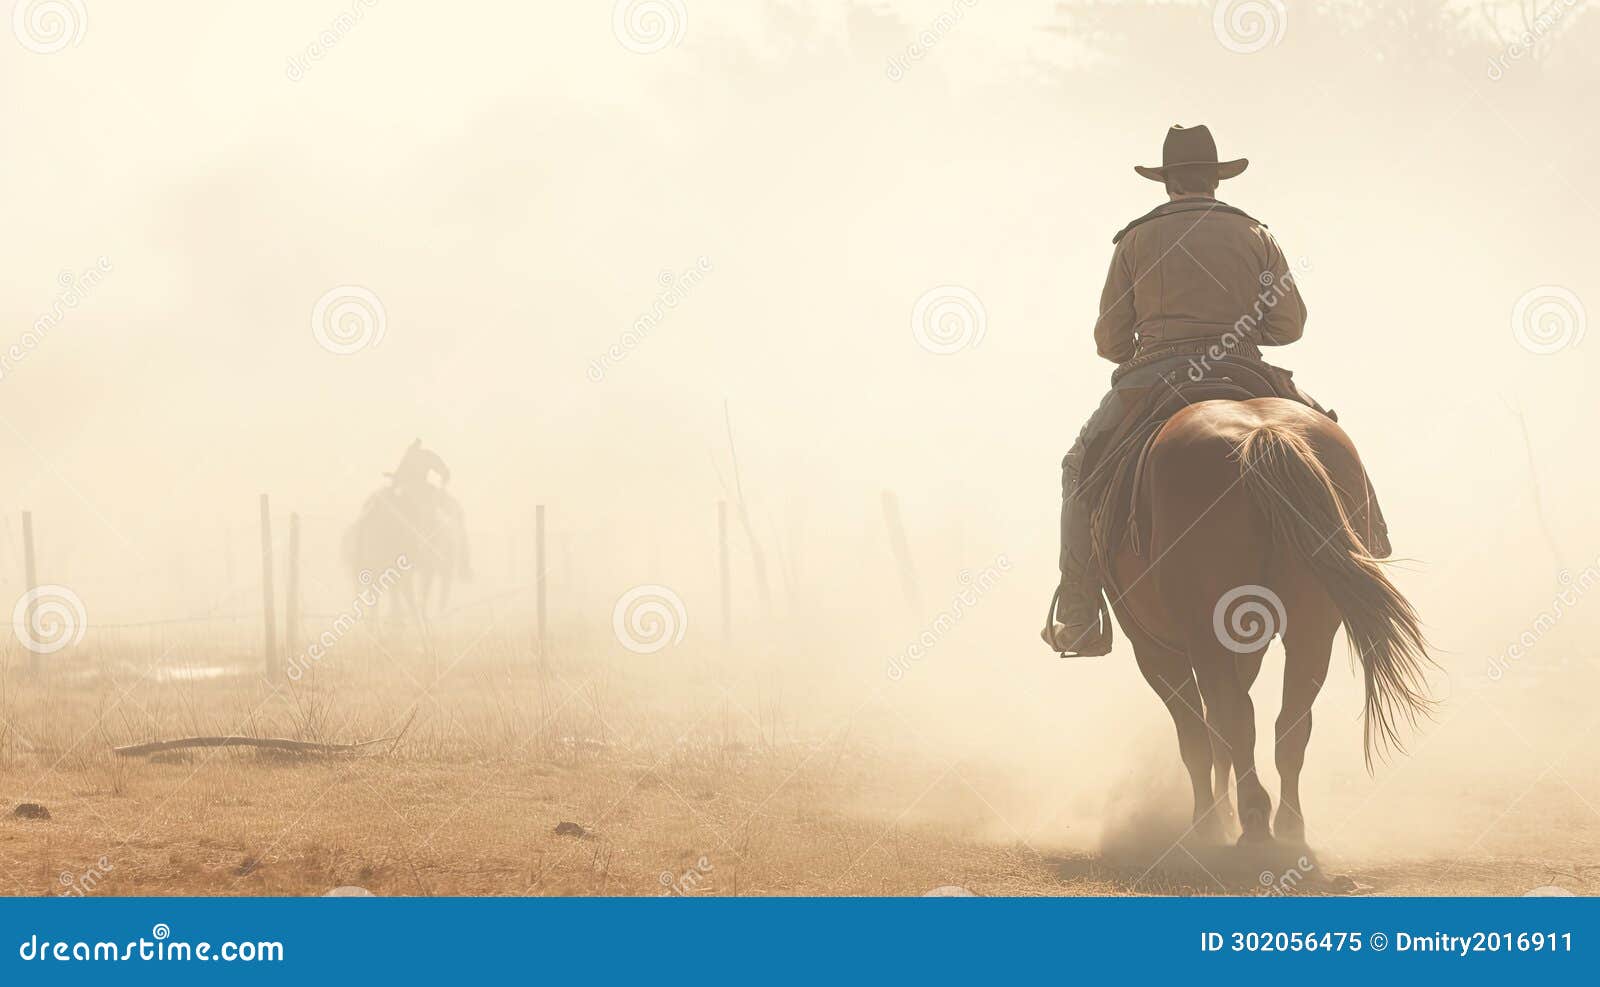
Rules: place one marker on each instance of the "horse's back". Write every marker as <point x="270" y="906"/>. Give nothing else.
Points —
<point x="1207" y="423"/>
<point x="1195" y="454"/>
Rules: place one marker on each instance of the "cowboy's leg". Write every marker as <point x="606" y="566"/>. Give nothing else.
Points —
<point x="1377" y="529"/>
<point x="1306" y="399"/>
<point x="1074" y="510"/>
<point x="1078" y="606"/>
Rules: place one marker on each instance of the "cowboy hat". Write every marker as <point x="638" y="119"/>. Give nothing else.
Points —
<point x="1187" y="146"/>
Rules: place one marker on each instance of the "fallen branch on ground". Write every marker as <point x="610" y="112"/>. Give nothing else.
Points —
<point x="267" y="743"/>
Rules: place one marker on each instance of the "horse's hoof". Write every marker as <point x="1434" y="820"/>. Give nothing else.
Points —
<point x="1290" y="828"/>
<point x="1254" y="821"/>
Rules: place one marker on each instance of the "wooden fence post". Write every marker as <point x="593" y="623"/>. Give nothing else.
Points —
<point x="31" y="581"/>
<point x="269" y="655"/>
<point x="722" y="572"/>
<point x="539" y="579"/>
<point x="291" y="603"/>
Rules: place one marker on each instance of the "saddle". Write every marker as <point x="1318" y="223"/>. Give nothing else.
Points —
<point x="1114" y="466"/>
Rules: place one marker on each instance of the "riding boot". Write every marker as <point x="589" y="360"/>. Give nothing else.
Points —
<point x="1079" y="624"/>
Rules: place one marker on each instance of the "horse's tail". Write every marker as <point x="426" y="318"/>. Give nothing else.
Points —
<point x="1292" y="489"/>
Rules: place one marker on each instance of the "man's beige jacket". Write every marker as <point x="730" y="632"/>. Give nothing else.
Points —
<point x="1196" y="268"/>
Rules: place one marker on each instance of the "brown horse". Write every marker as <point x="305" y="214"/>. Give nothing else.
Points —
<point x="1254" y="509"/>
<point x="410" y="534"/>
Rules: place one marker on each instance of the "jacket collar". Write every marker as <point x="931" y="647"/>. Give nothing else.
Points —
<point x="1193" y="204"/>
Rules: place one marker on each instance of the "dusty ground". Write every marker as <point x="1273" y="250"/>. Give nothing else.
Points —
<point x="585" y="781"/>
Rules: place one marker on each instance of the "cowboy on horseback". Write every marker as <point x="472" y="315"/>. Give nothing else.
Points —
<point x="411" y="483"/>
<point x="1193" y="281"/>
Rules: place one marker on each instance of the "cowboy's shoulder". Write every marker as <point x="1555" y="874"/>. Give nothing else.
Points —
<point x="1228" y="213"/>
<point x="1138" y="221"/>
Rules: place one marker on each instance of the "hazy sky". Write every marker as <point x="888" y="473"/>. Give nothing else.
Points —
<point x="517" y="186"/>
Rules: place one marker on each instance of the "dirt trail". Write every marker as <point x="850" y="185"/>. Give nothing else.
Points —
<point x="695" y="777"/>
<point x="695" y="820"/>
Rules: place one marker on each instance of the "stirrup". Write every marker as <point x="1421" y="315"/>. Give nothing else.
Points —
<point x="1089" y="643"/>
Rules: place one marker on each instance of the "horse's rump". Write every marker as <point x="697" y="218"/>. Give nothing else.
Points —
<point x="1267" y="494"/>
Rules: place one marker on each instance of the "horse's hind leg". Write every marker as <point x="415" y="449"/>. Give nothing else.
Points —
<point x="1221" y="773"/>
<point x="1308" y="647"/>
<point x="1231" y="713"/>
<point x="1249" y="668"/>
<point x="1170" y="676"/>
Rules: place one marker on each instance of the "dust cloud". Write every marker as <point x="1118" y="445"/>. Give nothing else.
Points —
<point x="594" y="260"/>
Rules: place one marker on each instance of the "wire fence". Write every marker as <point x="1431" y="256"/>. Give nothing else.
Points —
<point x="261" y="592"/>
<point x="261" y="620"/>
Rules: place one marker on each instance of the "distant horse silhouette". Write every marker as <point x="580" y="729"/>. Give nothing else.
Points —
<point x="423" y="548"/>
<point x="1254" y="510"/>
